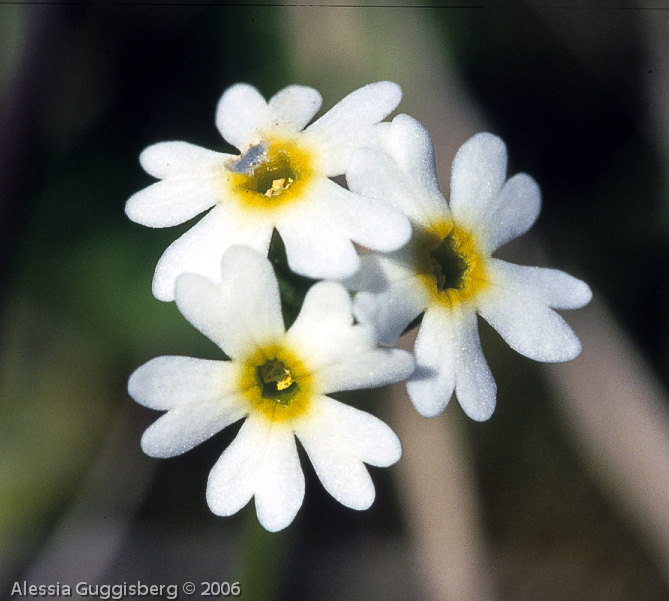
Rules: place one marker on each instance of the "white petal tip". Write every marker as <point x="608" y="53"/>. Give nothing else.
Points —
<point x="394" y="454"/>
<point x="582" y="295"/>
<point x="398" y="233"/>
<point x="555" y="350"/>
<point x="570" y="350"/>
<point x="479" y="413"/>
<point x="344" y="267"/>
<point x="365" y="503"/>
<point x="390" y="89"/>
<point x="427" y="405"/>
<point x="139" y="209"/>
<point x="135" y="385"/>
<point x="430" y="409"/>
<point x="131" y="210"/>
<point x="360" y="500"/>
<point x="429" y="393"/>
<point x="406" y="364"/>
<point x="156" y="446"/>
<point x="281" y="511"/>
<point x="222" y="505"/>
<point x="163" y="288"/>
<point x="271" y="527"/>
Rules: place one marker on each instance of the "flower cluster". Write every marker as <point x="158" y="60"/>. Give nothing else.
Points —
<point x="428" y="257"/>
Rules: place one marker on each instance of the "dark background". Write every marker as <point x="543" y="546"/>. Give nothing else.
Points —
<point x="579" y="96"/>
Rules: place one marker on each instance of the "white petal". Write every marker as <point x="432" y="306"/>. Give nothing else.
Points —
<point x="431" y="386"/>
<point x="169" y="159"/>
<point x="201" y="248"/>
<point x="186" y="426"/>
<point x="279" y="488"/>
<point x="348" y="431"/>
<point x="528" y="325"/>
<point x="477" y="176"/>
<point x="374" y="174"/>
<point x="241" y="113"/>
<point x="314" y="247"/>
<point x="168" y="382"/>
<point x="296" y="105"/>
<point x="346" y="126"/>
<point x="338" y="439"/>
<point x="378" y="271"/>
<point x="367" y="221"/>
<point x="262" y="460"/>
<point x="518" y="209"/>
<point x="324" y="331"/>
<point x="232" y="479"/>
<point x="555" y="288"/>
<point x="410" y="146"/>
<point x="243" y="311"/>
<point x="386" y="312"/>
<point x="370" y="277"/>
<point x="391" y="309"/>
<point x="172" y="201"/>
<point x="475" y="387"/>
<point x="449" y="358"/>
<point x="370" y="369"/>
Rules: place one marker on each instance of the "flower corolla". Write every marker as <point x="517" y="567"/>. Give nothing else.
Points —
<point x="447" y="271"/>
<point x="281" y="180"/>
<point x="278" y="380"/>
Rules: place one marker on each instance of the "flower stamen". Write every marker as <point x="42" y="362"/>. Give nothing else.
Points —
<point x="277" y="382"/>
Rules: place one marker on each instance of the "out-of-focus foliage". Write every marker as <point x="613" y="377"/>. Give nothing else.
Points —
<point x="78" y="309"/>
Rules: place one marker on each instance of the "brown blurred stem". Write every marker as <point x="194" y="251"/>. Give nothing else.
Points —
<point x="438" y="492"/>
<point x="619" y="414"/>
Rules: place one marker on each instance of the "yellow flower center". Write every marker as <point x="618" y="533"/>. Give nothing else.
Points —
<point x="276" y="383"/>
<point x="449" y="263"/>
<point x="269" y="175"/>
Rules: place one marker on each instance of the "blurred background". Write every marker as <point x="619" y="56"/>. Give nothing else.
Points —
<point x="562" y="495"/>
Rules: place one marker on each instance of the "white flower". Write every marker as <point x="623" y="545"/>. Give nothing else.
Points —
<point x="278" y="380"/>
<point x="280" y="180"/>
<point x="447" y="270"/>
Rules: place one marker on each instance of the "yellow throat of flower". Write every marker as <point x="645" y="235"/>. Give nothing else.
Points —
<point x="449" y="263"/>
<point x="276" y="383"/>
<point x="270" y="175"/>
